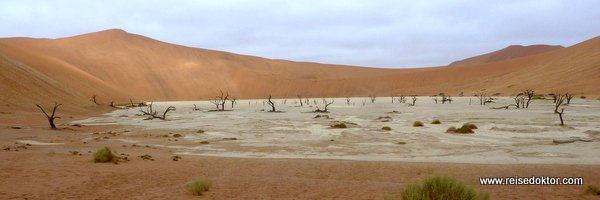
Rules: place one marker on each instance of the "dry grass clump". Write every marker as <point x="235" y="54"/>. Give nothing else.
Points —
<point x="340" y="125"/>
<point x="198" y="186"/>
<point x="387" y="128"/>
<point x="436" y="121"/>
<point x="470" y="125"/>
<point x="592" y="189"/>
<point x="105" y="155"/>
<point x="418" y="124"/>
<point x="465" y="128"/>
<point x="441" y="187"/>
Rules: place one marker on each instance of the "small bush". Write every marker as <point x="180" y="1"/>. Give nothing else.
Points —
<point x="442" y="187"/>
<point x="452" y="129"/>
<point x="465" y="128"/>
<point x="471" y="126"/>
<point x="583" y="97"/>
<point x="592" y="189"/>
<point x="197" y="186"/>
<point x="418" y="124"/>
<point x="436" y="121"/>
<point x="387" y="128"/>
<point x="340" y="125"/>
<point x="105" y="155"/>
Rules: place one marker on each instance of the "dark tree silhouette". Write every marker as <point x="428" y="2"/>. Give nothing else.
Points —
<point x="50" y="117"/>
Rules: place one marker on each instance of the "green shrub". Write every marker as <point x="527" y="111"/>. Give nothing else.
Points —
<point x="538" y="96"/>
<point x="418" y="124"/>
<point x="436" y="121"/>
<point x="387" y="128"/>
<point x="340" y="125"/>
<point x="197" y="186"/>
<point x="592" y="189"/>
<point x="441" y="187"/>
<point x="105" y="155"/>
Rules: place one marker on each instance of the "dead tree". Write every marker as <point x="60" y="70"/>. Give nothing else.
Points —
<point x="170" y="108"/>
<point x="153" y="114"/>
<point x="233" y="99"/>
<point x="272" y="104"/>
<point x="112" y="104"/>
<point x="348" y="100"/>
<point x="300" y="99"/>
<point x="392" y="99"/>
<point x="483" y="98"/>
<point x="560" y="99"/>
<point x="401" y="99"/>
<point x="94" y="99"/>
<point x="364" y="101"/>
<point x="149" y="110"/>
<point x="529" y="94"/>
<point x="372" y="98"/>
<point x="220" y="101"/>
<point x="326" y="105"/>
<point x="519" y="99"/>
<point x="435" y="98"/>
<point x="446" y="99"/>
<point x="414" y="100"/>
<point x="568" y="97"/>
<point x="196" y="108"/>
<point x="50" y="117"/>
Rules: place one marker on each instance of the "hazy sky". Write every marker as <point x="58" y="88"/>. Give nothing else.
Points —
<point x="391" y="34"/>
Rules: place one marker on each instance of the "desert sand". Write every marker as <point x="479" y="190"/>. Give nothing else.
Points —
<point x="293" y="155"/>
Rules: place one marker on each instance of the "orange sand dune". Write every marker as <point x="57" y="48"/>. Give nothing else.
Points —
<point x="24" y="87"/>
<point x="118" y="65"/>
<point x="510" y="52"/>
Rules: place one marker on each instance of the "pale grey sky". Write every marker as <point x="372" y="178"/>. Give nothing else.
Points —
<point x="371" y="33"/>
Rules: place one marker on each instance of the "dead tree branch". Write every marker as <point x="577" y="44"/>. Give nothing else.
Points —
<point x="51" y="117"/>
<point x="326" y="105"/>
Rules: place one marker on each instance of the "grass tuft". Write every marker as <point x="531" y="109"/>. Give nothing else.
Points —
<point x="340" y="125"/>
<point x="198" y="186"/>
<point x="436" y="121"/>
<point x="442" y="187"/>
<point x="387" y="128"/>
<point x="418" y="124"/>
<point x="592" y="189"/>
<point x="105" y="155"/>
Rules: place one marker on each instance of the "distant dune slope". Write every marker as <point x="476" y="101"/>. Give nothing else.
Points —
<point x="23" y="87"/>
<point x="510" y="52"/>
<point x="118" y="65"/>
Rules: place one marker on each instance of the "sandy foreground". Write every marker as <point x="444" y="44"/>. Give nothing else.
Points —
<point x="293" y="155"/>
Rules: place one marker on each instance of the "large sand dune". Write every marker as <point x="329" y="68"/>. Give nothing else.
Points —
<point x="117" y="66"/>
<point x="510" y="52"/>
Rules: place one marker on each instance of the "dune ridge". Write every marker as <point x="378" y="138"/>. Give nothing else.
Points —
<point x="118" y="66"/>
<point x="510" y="52"/>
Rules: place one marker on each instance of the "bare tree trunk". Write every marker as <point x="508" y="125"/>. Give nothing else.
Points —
<point x="559" y="101"/>
<point x="300" y="99"/>
<point x="529" y="94"/>
<point x="372" y="98"/>
<point x="50" y="117"/>
<point x="348" y="100"/>
<point x="94" y="98"/>
<point x="414" y="99"/>
<point x="272" y="104"/>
